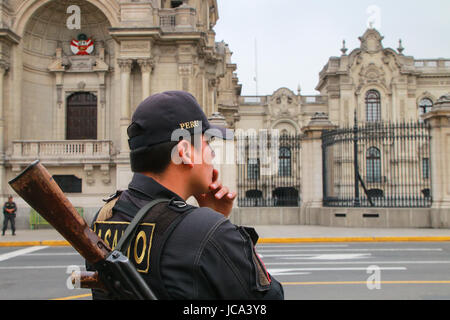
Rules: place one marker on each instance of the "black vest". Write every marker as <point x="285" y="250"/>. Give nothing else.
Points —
<point x="147" y="246"/>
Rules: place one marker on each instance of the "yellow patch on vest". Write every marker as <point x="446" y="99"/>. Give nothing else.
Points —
<point x="139" y="250"/>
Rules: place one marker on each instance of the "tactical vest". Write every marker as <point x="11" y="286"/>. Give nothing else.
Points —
<point x="146" y="247"/>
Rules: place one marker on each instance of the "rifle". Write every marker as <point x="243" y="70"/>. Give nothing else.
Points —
<point x="115" y="272"/>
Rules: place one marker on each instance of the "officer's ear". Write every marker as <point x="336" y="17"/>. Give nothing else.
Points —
<point x="184" y="149"/>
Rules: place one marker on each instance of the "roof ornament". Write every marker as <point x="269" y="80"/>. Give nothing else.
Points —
<point x="343" y="49"/>
<point x="400" y="46"/>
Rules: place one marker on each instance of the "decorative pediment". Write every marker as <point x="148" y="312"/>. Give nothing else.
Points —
<point x="371" y="41"/>
<point x="372" y="74"/>
<point x="283" y="103"/>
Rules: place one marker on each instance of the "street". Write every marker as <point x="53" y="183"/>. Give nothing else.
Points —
<point x="348" y="271"/>
<point x="368" y="271"/>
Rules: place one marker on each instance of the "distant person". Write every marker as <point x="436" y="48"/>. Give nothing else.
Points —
<point x="9" y="214"/>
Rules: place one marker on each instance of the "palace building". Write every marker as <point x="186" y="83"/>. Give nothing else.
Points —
<point x="73" y="71"/>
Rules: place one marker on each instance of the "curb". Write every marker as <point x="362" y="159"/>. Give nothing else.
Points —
<point x="64" y="243"/>
<point x="354" y="239"/>
<point x="50" y="243"/>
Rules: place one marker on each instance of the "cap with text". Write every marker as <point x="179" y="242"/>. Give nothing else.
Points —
<point x="166" y="116"/>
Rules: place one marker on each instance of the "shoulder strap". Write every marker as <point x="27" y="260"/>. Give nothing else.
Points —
<point x="130" y="231"/>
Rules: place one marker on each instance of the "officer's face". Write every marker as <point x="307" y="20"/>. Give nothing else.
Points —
<point x="202" y="172"/>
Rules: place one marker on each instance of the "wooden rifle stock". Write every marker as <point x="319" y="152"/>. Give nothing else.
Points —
<point x="38" y="188"/>
<point x="117" y="274"/>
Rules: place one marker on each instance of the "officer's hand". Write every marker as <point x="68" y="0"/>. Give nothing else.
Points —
<point x="219" y="197"/>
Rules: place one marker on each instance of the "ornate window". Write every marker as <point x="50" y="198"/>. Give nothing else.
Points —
<point x="373" y="165"/>
<point x="284" y="169"/>
<point x="425" y="106"/>
<point x="373" y="106"/>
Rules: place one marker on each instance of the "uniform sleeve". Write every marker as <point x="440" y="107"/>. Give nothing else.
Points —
<point x="229" y="266"/>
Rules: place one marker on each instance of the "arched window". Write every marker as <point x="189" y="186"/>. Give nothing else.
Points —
<point x="373" y="165"/>
<point x="425" y="106"/>
<point x="81" y="116"/>
<point x="373" y="106"/>
<point x="284" y="168"/>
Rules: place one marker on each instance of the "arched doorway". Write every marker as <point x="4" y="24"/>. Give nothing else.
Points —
<point x="47" y="43"/>
<point x="81" y="119"/>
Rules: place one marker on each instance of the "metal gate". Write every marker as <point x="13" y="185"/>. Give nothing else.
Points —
<point x="268" y="170"/>
<point x="379" y="164"/>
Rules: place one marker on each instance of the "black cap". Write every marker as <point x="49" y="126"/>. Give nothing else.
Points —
<point x="167" y="116"/>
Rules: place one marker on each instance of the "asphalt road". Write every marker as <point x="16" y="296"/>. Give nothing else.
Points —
<point x="324" y="271"/>
<point x="361" y="271"/>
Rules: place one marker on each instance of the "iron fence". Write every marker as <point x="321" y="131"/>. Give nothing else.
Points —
<point x="268" y="170"/>
<point x="380" y="164"/>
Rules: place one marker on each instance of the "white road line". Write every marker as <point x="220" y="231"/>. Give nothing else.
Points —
<point x="326" y="256"/>
<point x="263" y="247"/>
<point x="52" y="254"/>
<point x="284" y="271"/>
<point x="355" y="262"/>
<point x="353" y="249"/>
<point x="20" y="252"/>
<point x="37" y="267"/>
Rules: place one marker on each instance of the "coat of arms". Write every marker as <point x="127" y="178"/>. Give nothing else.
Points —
<point x="82" y="46"/>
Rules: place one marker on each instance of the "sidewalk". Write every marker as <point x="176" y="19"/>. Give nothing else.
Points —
<point x="24" y="238"/>
<point x="293" y="234"/>
<point x="268" y="234"/>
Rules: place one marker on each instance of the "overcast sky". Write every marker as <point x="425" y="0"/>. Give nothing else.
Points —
<point x="295" y="38"/>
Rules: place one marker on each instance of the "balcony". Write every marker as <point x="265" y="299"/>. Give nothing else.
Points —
<point x="432" y="63"/>
<point x="180" y="19"/>
<point x="63" y="152"/>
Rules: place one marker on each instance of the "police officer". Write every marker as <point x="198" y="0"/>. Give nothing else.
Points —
<point x="183" y="251"/>
<point x="9" y="214"/>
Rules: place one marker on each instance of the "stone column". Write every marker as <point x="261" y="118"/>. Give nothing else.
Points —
<point x="123" y="169"/>
<point x="4" y="66"/>
<point x="125" y="73"/>
<point x="439" y="119"/>
<point x="211" y="108"/>
<point x="146" y="66"/>
<point x="311" y="166"/>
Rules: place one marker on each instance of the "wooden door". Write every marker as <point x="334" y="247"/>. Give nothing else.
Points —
<point x="81" y="116"/>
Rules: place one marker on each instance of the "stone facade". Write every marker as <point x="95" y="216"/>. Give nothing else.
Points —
<point x="146" y="46"/>
<point x="140" y="48"/>
<point x="374" y="84"/>
<point x="402" y="82"/>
